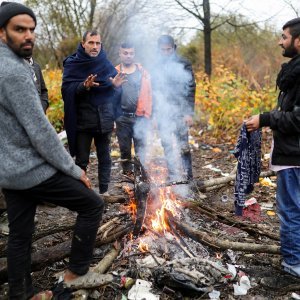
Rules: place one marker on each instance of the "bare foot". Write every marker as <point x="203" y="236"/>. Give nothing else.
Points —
<point x="46" y="295"/>
<point x="69" y="276"/>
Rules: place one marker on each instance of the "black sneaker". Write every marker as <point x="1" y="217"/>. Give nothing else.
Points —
<point x="285" y="281"/>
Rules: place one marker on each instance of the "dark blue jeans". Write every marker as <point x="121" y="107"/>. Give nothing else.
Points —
<point x="61" y="190"/>
<point x="132" y="130"/>
<point x="83" y="148"/>
<point x="288" y="209"/>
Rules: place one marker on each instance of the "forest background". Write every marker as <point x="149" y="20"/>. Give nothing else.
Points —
<point x="235" y="55"/>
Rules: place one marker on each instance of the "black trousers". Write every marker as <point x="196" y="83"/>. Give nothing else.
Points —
<point x="83" y="148"/>
<point x="61" y="190"/>
<point x="131" y="130"/>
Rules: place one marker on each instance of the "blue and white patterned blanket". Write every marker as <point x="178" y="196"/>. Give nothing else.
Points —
<point x="248" y="153"/>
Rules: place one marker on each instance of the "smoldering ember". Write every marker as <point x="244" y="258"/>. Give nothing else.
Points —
<point x="168" y="240"/>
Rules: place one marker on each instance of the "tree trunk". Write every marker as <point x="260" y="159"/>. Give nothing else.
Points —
<point x="207" y="37"/>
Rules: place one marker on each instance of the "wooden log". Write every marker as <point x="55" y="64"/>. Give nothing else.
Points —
<point x="41" y="233"/>
<point x="106" y="225"/>
<point x="252" y="229"/>
<point x="141" y="194"/>
<point x="202" y="184"/>
<point x="47" y="256"/>
<point x="107" y="260"/>
<point x="115" y="198"/>
<point x="212" y="188"/>
<point x="217" y="243"/>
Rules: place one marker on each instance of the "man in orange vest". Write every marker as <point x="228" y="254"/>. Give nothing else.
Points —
<point x="136" y="107"/>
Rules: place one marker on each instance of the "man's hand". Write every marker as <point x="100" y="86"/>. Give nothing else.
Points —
<point x="252" y="123"/>
<point x="188" y="120"/>
<point x="118" y="80"/>
<point x="85" y="180"/>
<point x="90" y="82"/>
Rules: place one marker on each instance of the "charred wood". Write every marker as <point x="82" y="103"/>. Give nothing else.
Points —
<point x="217" y="243"/>
<point x="115" y="199"/>
<point x="252" y="229"/>
<point x="141" y="194"/>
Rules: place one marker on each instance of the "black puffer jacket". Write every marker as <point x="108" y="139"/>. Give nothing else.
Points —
<point x="285" y="119"/>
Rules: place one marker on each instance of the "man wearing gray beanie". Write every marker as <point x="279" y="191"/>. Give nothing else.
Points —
<point x="34" y="164"/>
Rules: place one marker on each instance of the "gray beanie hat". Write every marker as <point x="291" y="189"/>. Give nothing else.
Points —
<point x="11" y="9"/>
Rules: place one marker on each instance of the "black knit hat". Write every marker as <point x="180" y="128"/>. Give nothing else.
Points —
<point x="11" y="9"/>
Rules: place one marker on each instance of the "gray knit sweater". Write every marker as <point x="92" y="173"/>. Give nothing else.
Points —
<point x="30" y="151"/>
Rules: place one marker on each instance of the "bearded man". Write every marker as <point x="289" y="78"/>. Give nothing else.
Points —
<point x="285" y="158"/>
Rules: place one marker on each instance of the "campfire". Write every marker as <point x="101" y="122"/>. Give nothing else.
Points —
<point x="161" y="247"/>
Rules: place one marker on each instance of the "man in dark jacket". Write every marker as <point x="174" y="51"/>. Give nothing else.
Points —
<point x="90" y="97"/>
<point x="285" y="158"/>
<point x="173" y="106"/>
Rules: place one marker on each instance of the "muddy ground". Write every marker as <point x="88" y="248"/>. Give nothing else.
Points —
<point x="211" y="159"/>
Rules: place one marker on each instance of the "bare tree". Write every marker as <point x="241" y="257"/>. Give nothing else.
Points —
<point x="62" y="23"/>
<point x="293" y="7"/>
<point x="201" y="11"/>
<point x="209" y="22"/>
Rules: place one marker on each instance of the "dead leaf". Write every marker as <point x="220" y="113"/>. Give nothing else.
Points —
<point x="216" y="150"/>
<point x="271" y="213"/>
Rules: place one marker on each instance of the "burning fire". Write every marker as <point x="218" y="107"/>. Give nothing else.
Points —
<point x="167" y="201"/>
<point x="143" y="247"/>
<point x="160" y="200"/>
<point x="132" y="205"/>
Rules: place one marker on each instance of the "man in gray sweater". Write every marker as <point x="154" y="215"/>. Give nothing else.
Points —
<point x="34" y="164"/>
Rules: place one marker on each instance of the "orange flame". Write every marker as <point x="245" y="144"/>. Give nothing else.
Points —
<point x="168" y="202"/>
<point x="143" y="247"/>
<point x="132" y="204"/>
<point x="159" y="201"/>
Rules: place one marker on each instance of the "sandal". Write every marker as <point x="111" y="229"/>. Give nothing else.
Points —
<point x="46" y="295"/>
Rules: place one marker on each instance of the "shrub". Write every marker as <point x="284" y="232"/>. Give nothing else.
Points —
<point x="226" y="100"/>
<point x="55" y="112"/>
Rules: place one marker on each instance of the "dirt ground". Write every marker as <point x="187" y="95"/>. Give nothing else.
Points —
<point x="211" y="159"/>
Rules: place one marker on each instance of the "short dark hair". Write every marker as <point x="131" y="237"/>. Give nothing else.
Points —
<point x="127" y="45"/>
<point x="166" y="40"/>
<point x="92" y="32"/>
<point x="294" y="26"/>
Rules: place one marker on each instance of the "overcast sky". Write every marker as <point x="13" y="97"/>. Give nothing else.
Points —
<point x="260" y="10"/>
